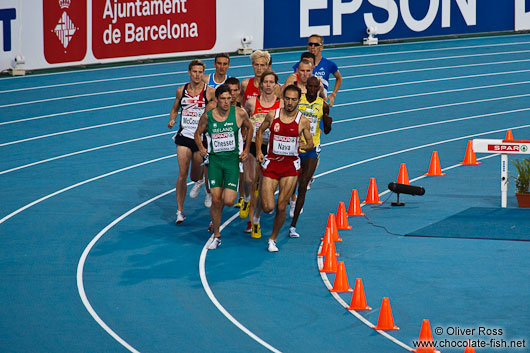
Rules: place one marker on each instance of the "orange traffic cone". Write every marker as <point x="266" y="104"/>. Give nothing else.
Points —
<point x="509" y="136"/>
<point x="425" y="336"/>
<point x="372" y="198"/>
<point x="386" y="321"/>
<point x="358" y="299"/>
<point x="403" y="177"/>
<point x="434" y="168"/>
<point x="470" y="157"/>
<point x="342" y="217"/>
<point x="354" y="208"/>
<point x="332" y="224"/>
<point x="327" y="242"/>
<point x="341" y="280"/>
<point x="330" y="262"/>
<point x="469" y="348"/>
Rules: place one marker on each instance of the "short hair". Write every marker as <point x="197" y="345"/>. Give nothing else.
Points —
<point x="196" y="62"/>
<point x="233" y="81"/>
<point x="305" y="61"/>
<point x="319" y="37"/>
<point x="222" y="55"/>
<point x="308" y="55"/>
<point x="313" y="77"/>
<point x="267" y="73"/>
<point x="222" y="89"/>
<point x="261" y="54"/>
<point x="293" y="88"/>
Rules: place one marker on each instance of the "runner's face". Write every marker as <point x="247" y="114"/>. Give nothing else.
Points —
<point x="304" y="71"/>
<point x="221" y="65"/>
<point x="313" y="86"/>
<point x="267" y="84"/>
<point x="224" y="101"/>
<point x="290" y="100"/>
<point x="234" y="90"/>
<point x="259" y="65"/>
<point x="314" y="49"/>
<point x="196" y="73"/>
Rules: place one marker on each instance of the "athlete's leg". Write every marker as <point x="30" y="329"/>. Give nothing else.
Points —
<point x="196" y="172"/>
<point x="308" y="169"/>
<point x="216" y="209"/>
<point x="184" y="156"/>
<point x="229" y="197"/>
<point x="287" y="185"/>
<point x="267" y="189"/>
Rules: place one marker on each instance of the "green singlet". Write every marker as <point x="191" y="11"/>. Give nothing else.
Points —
<point x="223" y="148"/>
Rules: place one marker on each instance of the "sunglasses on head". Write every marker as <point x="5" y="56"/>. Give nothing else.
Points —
<point x="313" y="44"/>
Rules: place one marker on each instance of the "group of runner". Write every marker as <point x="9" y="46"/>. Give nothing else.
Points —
<point x="256" y="134"/>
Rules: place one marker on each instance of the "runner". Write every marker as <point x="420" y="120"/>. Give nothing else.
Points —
<point x="250" y="86"/>
<point x="221" y="64"/>
<point x="281" y="166"/>
<point x="222" y="125"/>
<point x="323" y="67"/>
<point x="294" y="76"/>
<point x="192" y="98"/>
<point x="257" y="108"/>
<point x="315" y="109"/>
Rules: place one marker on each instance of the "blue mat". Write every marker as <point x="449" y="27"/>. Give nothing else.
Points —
<point x="481" y="223"/>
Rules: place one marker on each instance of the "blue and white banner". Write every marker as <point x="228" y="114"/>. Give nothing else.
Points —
<point x="289" y="23"/>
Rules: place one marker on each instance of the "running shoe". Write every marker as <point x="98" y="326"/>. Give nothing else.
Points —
<point x="180" y="217"/>
<point x="248" y="229"/>
<point x="208" y="200"/>
<point x="256" y="231"/>
<point x="243" y="211"/>
<point x="214" y="243"/>
<point x="196" y="188"/>
<point x="239" y="202"/>
<point x="272" y="246"/>
<point x="293" y="233"/>
<point x="210" y="227"/>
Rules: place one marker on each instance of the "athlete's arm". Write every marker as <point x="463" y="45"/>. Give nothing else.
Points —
<point x="175" y="108"/>
<point x="250" y="105"/>
<point x="338" y="83"/>
<point x="201" y="128"/>
<point x="244" y="85"/>
<point x="210" y="94"/>
<point x="326" y="119"/>
<point x="306" y="132"/>
<point x="205" y="78"/>
<point x="259" y="134"/>
<point x="244" y="123"/>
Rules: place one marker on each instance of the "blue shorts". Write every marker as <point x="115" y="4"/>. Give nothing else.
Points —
<point x="309" y="154"/>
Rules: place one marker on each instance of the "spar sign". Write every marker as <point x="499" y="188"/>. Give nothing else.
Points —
<point x="140" y="27"/>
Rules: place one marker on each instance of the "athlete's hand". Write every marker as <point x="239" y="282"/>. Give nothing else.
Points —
<point x="243" y="156"/>
<point x="170" y="124"/>
<point x="203" y="151"/>
<point x="259" y="156"/>
<point x="331" y="99"/>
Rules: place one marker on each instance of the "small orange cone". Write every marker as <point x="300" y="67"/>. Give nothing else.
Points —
<point x="403" y="177"/>
<point x="330" y="262"/>
<point x="425" y="336"/>
<point x="434" y="168"/>
<point x="341" y="280"/>
<point x="354" y="208"/>
<point x="509" y="136"/>
<point x="386" y="321"/>
<point x="358" y="299"/>
<point x="332" y="224"/>
<point x="470" y="157"/>
<point x="469" y="348"/>
<point x="326" y="242"/>
<point x="372" y="198"/>
<point x="342" y="217"/>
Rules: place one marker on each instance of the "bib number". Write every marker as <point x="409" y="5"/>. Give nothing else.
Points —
<point x="223" y="142"/>
<point x="285" y="145"/>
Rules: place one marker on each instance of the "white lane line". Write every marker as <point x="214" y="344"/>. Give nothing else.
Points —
<point x="433" y="93"/>
<point x="329" y="286"/>
<point x="81" y="129"/>
<point x="243" y="66"/>
<point x="430" y="107"/>
<point x="82" y="151"/>
<point x="424" y="125"/>
<point x="14" y="213"/>
<point x="85" y="110"/>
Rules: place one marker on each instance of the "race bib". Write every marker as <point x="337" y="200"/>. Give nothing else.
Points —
<point x="313" y="125"/>
<point x="190" y="121"/>
<point x="266" y="133"/>
<point x="285" y="145"/>
<point x="223" y="142"/>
